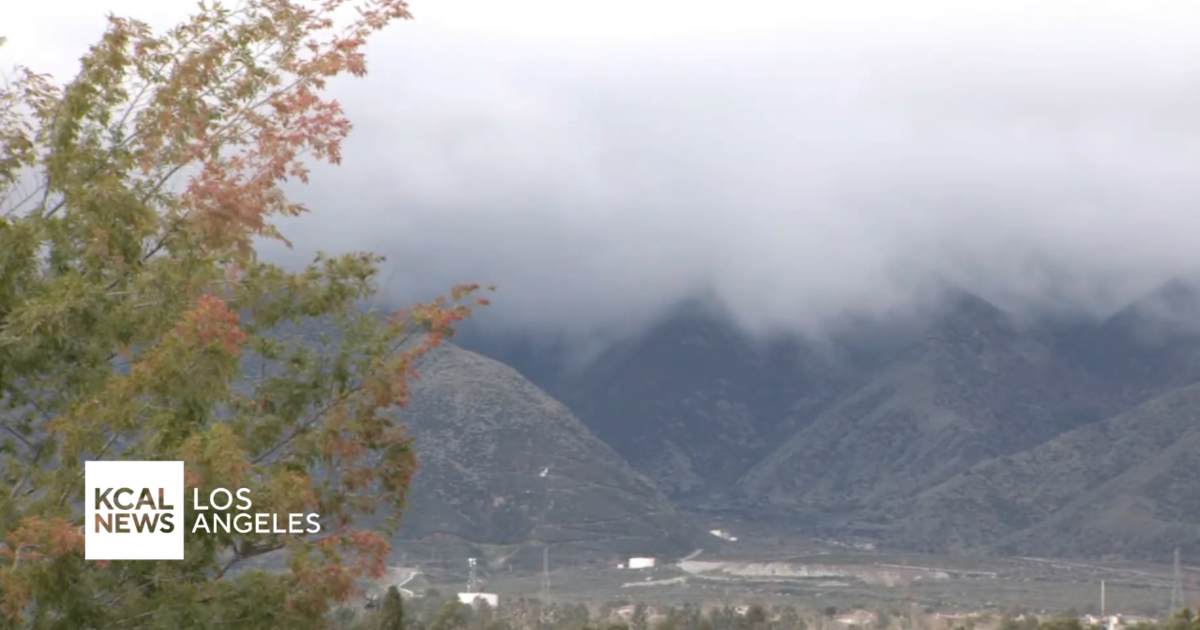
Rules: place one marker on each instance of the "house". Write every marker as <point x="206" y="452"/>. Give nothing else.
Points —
<point x="473" y="599"/>
<point x="723" y="535"/>
<point x="629" y="610"/>
<point x="856" y="618"/>
<point x="1130" y="621"/>
<point x="642" y="563"/>
<point x="1115" y="622"/>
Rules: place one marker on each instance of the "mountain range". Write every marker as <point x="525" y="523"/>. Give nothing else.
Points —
<point x="963" y="430"/>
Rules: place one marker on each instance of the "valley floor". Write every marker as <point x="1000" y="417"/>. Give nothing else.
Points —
<point x="820" y="574"/>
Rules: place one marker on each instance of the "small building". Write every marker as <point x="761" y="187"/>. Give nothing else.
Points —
<point x="628" y="611"/>
<point x="473" y="599"/>
<point x="723" y="535"/>
<point x="1112" y="622"/>
<point x="856" y="618"/>
<point x="642" y="563"/>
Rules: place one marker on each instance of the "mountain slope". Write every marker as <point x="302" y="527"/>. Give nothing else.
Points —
<point x="974" y="387"/>
<point x="693" y="403"/>
<point x="1148" y="347"/>
<point x="1125" y="487"/>
<point x="975" y="434"/>
<point x="502" y="463"/>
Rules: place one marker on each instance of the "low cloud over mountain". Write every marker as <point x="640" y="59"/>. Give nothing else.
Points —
<point x="796" y="161"/>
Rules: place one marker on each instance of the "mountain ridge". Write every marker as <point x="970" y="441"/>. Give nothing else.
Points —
<point x="873" y="432"/>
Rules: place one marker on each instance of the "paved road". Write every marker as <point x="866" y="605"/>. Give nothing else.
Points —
<point x="401" y="576"/>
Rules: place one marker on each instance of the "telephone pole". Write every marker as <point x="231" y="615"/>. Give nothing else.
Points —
<point x="546" y="573"/>
<point x="1191" y="594"/>
<point x="1177" y="591"/>
<point x="904" y="579"/>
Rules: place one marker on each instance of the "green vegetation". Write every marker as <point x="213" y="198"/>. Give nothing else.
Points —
<point x="392" y="613"/>
<point x="137" y="322"/>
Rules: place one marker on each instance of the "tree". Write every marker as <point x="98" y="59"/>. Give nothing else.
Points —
<point x="1018" y="618"/>
<point x="391" y="615"/>
<point x="1065" y="622"/>
<point x="453" y="615"/>
<point x="483" y="615"/>
<point x="755" y="618"/>
<point x="137" y="321"/>
<point x="789" y="619"/>
<point x="639" y="621"/>
<point x="1182" y="620"/>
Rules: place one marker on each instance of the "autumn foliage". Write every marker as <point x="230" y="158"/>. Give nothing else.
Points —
<point x="138" y="322"/>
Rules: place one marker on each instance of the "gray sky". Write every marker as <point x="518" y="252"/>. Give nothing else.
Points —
<point x="599" y="161"/>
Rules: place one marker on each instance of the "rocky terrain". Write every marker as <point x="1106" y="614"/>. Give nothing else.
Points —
<point x="501" y="463"/>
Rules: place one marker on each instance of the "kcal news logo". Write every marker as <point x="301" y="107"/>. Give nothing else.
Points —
<point x="134" y="511"/>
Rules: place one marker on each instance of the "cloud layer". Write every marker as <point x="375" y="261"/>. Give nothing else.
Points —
<point x="800" y="162"/>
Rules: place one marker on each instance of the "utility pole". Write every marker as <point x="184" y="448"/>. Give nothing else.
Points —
<point x="904" y="578"/>
<point x="1191" y="594"/>
<point x="546" y="573"/>
<point x="433" y="564"/>
<point x="1103" y="602"/>
<point x="442" y="567"/>
<point x="1177" y="591"/>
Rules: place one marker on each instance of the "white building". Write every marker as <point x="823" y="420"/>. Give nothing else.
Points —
<point x="641" y="563"/>
<point x="857" y="618"/>
<point x="472" y="599"/>
<point x="723" y="534"/>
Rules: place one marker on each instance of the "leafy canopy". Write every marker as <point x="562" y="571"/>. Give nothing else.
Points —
<point x="137" y="321"/>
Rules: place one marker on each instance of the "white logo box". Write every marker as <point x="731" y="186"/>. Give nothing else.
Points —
<point x="159" y="487"/>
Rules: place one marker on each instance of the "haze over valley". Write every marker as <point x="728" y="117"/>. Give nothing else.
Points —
<point x="832" y="301"/>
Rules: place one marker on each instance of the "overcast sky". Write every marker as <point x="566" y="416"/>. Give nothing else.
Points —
<point x="600" y="160"/>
